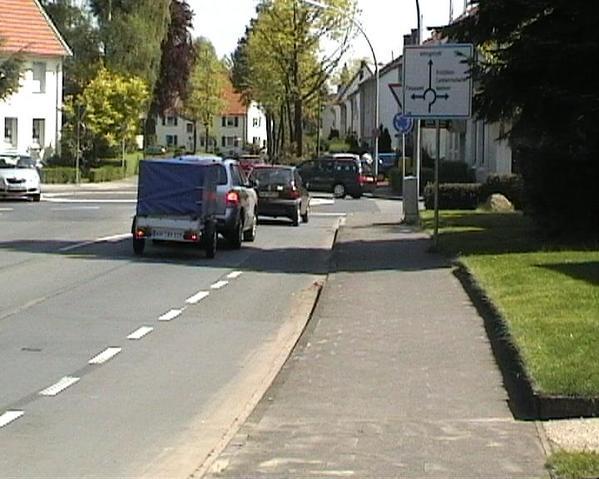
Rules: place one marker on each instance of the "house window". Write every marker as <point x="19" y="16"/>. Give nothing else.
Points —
<point x="230" y="121"/>
<point x="171" y="140"/>
<point x="229" y="141"/>
<point x="39" y="77"/>
<point x="39" y="131"/>
<point x="189" y="127"/>
<point x="256" y="140"/>
<point x="11" y="131"/>
<point x="171" y="121"/>
<point x="256" y="122"/>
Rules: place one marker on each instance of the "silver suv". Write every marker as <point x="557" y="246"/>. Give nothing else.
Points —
<point x="236" y="202"/>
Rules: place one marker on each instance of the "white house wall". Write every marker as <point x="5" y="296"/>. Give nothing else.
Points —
<point x="184" y="138"/>
<point x="27" y="105"/>
<point x="256" y="130"/>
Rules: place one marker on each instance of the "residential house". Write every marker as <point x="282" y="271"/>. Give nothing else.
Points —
<point x="344" y="112"/>
<point x="238" y="129"/>
<point x="31" y="118"/>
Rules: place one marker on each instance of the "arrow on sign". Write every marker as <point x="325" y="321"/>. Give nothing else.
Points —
<point x="430" y="91"/>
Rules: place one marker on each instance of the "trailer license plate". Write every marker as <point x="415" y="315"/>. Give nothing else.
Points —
<point x="269" y="194"/>
<point x="167" y="235"/>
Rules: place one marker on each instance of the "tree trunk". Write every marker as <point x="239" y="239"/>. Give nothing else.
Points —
<point x="299" y="127"/>
<point x="206" y="139"/>
<point x="269" y="138"/>
<point x="195" y="136"/>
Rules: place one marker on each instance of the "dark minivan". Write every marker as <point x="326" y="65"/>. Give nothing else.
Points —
<point x="341" y="174"/>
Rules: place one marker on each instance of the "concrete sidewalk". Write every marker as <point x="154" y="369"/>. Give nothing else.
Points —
<point x="393" y="378"/>
<point x="126" y="183"/>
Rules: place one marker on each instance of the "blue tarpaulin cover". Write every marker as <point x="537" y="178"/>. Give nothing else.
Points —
<point x="176" y="187"/>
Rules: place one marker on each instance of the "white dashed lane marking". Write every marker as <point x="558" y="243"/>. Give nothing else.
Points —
<point x="141" y="332"/>
<point x="172" y="314"/>
<point x="10" y="416"/>
<point x="196" y="298"/>
<point x="219" y="284"/>
<point x="104" y="356"/>
<point x="6" y="209"/>
<point x="60" y="386"/>
<point x="234" y="275"/>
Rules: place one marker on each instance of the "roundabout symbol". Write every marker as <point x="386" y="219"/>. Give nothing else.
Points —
<point x="430" y="93"/>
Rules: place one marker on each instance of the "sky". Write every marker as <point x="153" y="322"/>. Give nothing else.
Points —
<point x="385" y="22"/>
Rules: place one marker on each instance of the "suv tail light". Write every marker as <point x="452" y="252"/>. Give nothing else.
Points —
<point x="191" y="236"/>
<point x="232" y="198"/>
<point x="293" y="193"/>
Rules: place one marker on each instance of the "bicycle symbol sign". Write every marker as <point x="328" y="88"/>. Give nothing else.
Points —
<point x="437" y="82"/>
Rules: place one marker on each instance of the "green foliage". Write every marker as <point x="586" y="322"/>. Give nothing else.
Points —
<point x="113" y="105"/>
<point x="58" y="174"/>
<point x="132" y="32"/>
<point x="537" y="73"/>
<point x="77" y="28"/>
<point x="10" y="72"/>
<point x="206" y="87"/>
<point x="453" y="196"/>
<point x="280" y="64"/>
<point x="510" y="186"/>
<point x="105" y="173"/>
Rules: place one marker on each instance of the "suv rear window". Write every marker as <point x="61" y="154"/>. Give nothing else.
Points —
<point x="272" y="176"/>
<point x="222" y="175"/>
<point x="346" y="166"/>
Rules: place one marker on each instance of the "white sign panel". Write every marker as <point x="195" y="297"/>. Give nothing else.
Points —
<point x="437" y="81"/>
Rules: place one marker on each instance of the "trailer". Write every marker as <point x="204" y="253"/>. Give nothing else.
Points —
<point x="176" y="202"/>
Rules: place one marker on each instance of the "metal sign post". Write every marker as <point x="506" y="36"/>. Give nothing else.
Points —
<point x="437" y="85"/>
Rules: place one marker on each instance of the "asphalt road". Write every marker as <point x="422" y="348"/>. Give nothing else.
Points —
<point x="118" y="366"/>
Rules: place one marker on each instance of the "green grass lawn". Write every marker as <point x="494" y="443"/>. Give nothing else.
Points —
<point x="566" y="465"/>
<point x="548" y="293"/>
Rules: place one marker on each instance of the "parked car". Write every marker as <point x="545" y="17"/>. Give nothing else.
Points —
<point x="155" y="150"/>
<point x="19" y="177"/>
<point x="236" y="201"/>
<point x="342" y="174"/>
<point x="281" y="193"/>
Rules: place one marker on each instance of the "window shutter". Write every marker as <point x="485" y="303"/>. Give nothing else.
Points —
<point x="224" y="121"/>
<point x="163" y="121"/>
<point x="176" y="121"/>
<point x="224" y="141"/>
<point x="236" y="121"/>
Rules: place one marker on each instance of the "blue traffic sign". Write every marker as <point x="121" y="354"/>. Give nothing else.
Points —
<point x="403" y="124"/>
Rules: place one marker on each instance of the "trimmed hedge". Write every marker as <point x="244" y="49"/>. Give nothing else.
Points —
<point x="58" y="174"/>
<point x="453" y="196"/>
<point x="510" y="186"/>
<point x="105" y="173"/>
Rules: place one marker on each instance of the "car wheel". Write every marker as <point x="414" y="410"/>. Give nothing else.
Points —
<point x="37" y="197"/>
<point x="339" y="191"/>
<point x="250" y="235"/>
<point x="139" y="245"/>
<point x="357" y="196"/>
<point x="210" y="240"/>
<point x="305" y="216"/>
<point x="295" y="216"/>
<point x="236" y="236"/>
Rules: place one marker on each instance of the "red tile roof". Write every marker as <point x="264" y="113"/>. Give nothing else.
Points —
<point x="25" y="27"/>
<point x="233" y="102"/>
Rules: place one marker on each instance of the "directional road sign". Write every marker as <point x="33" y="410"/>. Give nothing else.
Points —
<point x="437" y="83"/>
<point x="402" y="123"/>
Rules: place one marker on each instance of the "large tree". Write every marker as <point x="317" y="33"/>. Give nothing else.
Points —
<point x="132" y="33"/>
<point x="286" y="64"/>
<point x="76" y="26"/>
<point x="206" y="88"/>
<point x="177" y="58"/>
<point x="537" y="73"/>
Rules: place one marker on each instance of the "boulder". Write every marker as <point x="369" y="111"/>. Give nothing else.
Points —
<point x="498" y="204"/>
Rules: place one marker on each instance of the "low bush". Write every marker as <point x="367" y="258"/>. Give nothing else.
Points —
<point x="455" y="172"/>
<point x="105" y="173"/>
<point x="453" y="196"/>
<point x="510" y="186"/>
<point x="58" y="174"/>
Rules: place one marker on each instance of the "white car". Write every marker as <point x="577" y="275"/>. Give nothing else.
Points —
<point x="19" y="177"/>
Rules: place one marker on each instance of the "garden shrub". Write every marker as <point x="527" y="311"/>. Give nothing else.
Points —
<point x="453" y="196"/>
<point x="105" y="173"/>
<point x="510" y="186"/>
<point x="58" y="174"/>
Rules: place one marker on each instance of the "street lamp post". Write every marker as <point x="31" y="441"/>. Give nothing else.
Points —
<point x="377" y="79"/>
